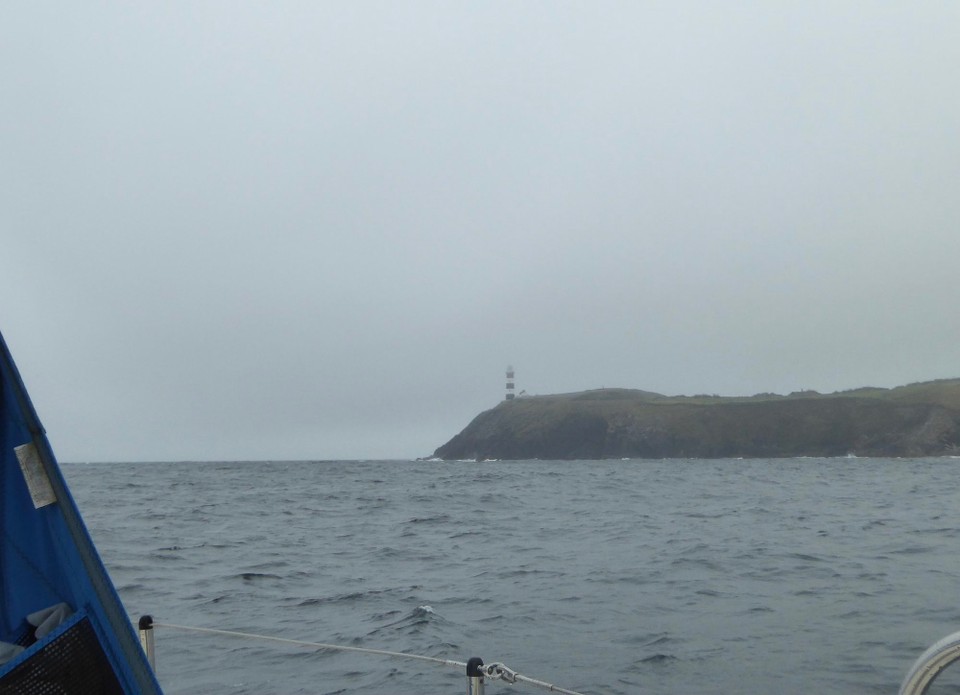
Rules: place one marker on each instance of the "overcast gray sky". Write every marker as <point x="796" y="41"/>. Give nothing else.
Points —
<point x="238" y="230"/>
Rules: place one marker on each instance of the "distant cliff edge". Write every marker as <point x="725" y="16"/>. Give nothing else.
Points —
<point x="917" y="420"/>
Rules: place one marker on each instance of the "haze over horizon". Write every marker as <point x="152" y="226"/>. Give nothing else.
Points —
<point x="301" y="230"/>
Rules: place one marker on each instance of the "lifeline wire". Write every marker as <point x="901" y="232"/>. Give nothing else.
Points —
<point x="494" y="671"/>
<point x="317" y="645"/>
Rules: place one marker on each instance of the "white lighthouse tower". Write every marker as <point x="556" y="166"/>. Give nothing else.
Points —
<point x="510" y="394"/>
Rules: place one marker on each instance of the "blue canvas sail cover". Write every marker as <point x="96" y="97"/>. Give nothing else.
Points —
<point x="62" y="626"/>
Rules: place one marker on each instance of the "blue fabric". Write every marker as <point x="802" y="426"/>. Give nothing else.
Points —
<point x="46" y="555"/>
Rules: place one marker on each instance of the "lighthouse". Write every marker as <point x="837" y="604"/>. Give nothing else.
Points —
<point x="509" y="384"/>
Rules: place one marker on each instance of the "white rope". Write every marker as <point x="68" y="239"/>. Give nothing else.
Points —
<point x="495" y="670"/>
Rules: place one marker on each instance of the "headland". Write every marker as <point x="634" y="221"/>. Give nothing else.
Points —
<point x="921" y="419"/>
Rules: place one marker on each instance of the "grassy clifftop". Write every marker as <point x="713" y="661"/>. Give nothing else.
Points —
<point x="917" y="420"/>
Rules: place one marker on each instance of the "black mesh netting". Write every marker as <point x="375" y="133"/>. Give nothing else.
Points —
<point x="71" y="664"/>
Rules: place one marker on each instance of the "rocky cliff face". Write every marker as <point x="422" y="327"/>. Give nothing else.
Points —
<point x="917" y="420"/>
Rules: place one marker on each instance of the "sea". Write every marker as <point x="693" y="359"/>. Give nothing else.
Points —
<point x="603" y="577"/>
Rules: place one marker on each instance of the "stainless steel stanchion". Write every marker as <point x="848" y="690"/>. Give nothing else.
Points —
<point x="146" y="639"/>
<point x="474" y="676"/>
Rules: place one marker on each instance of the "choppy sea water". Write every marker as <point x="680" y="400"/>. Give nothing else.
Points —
<point x="676" y="576"/>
